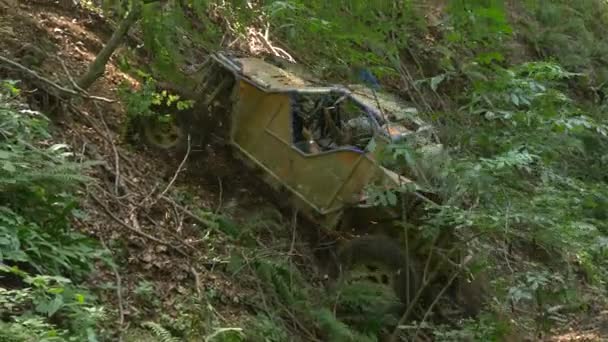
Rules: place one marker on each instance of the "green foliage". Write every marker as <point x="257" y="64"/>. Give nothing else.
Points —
<point x="148" y="104"/>
<point x="335" y="330"/>
<point x="54" y="249"/>
<point x="346" y="34"/>
<point x="162" y="27"/>
<point x="366" y="306"/>
<point x="486" y="328"/>
<point x="226" y="335"/>
<point x="146" y="294"/>
<point x="25" y="165"/>
<point x="286" y="281"/>
<point x="47" y="297"/>
<point x="265" y="328"/>
<point x="38" y="185"/>
<point x="361" y="311"/>
<point x="527" y="154"/>
<point x="577" y="43"/>
<point x="162" y="334"/>
<point x="141" y="103"/>
<point x="521" y="174"/>
<point x="31" y="329"/>
<point x="478" y="22"/>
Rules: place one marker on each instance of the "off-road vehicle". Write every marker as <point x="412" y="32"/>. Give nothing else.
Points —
<point x="318" y="144"/>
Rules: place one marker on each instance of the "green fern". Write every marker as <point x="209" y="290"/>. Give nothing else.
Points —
<point x="284" y="280"/>
<point x="335" y="330"/>
<point x="37" y="192"/>
<point x="268" y="328"/>
<point x="160" y="332"/>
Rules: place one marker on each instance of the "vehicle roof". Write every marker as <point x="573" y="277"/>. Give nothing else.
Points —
<point x="268" y="76"/>
<point x="275" y="79"/>
<point x="271" y="76"/>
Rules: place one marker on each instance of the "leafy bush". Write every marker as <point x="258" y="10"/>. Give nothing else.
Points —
<point x="265" y="328"/>
<point x="33" y="311"/>
<point x="577" y="43"/>
<point x="521" y="174"/>
<point x="347" y="35"/>
<point x="361" y="312"/>
<point x="525" y="184"/>
<point x="38" y="187"/>
<point x="526" y="177"/>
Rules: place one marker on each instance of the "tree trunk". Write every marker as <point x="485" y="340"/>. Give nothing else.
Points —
<point x="98" y="66"/>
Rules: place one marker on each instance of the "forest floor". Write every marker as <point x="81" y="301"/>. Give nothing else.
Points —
<point x="133" y="204"/>
<point x="161" y="220"/>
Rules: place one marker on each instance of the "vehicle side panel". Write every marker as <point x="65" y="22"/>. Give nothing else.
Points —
<point x="325" y="182"/>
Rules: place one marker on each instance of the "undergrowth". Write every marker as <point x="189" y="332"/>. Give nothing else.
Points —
<point x="526" y="173"/>
<point x="522" y="182"/>
<point x="42" y="258"/>
<point x="518" y="96"/>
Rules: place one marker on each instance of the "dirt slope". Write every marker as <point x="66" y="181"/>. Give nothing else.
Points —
<point x="151" y="222"/>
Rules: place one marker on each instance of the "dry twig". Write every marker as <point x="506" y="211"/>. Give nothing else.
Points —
<point x="185" y="210"/>
<point x="134" y="230"/>
<point x="221" y="195"/>
<point x="197" y="281"/>
<point x="436" y="300"/>
<point x="177" y="172"/>
<point x="116" y="157"/>
<point x="168" y="200"/>
<point x="121" y="310"/>
<point x="67" y="72"/>
<point x="294" y="225"/>
<point x="95" y="127"/>
<point x="64" y="90"/>
<point x="427" y="281"/>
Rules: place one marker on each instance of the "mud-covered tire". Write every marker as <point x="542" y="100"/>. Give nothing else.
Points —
<point x="380" y="253"/>
<point x="197" y="123"/>
<point x="173" y="140"/>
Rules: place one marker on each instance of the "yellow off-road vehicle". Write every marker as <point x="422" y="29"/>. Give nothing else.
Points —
<point x="318" y="144"/>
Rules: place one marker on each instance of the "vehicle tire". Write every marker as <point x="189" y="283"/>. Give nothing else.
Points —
<point x="184" y="132"/>
<point x="163" y="135"/>
<point x="382" y="261"/>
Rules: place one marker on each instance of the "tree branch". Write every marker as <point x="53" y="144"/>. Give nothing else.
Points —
<point x="132" y="229"/>
<point x="53" y="84"/>
<point x="98" y="66"/>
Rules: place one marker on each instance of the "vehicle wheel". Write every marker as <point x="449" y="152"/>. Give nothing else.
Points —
<point x="163" y="134"/>
<point x="380" y="260"/>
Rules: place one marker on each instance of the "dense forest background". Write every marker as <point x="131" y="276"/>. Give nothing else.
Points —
<point x="102" y="239"/>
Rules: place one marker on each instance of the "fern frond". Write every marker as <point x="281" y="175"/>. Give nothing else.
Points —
<point x="160" y="332"/>
<point x="337" y="330"/>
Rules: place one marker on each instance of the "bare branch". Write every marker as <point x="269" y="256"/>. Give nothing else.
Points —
<point x="121" y="310"/>
<point x="65" y="90"/>
<point x="436" y="300"/>
<point x="177" y="172"/>
<point x="132" y="229"/>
